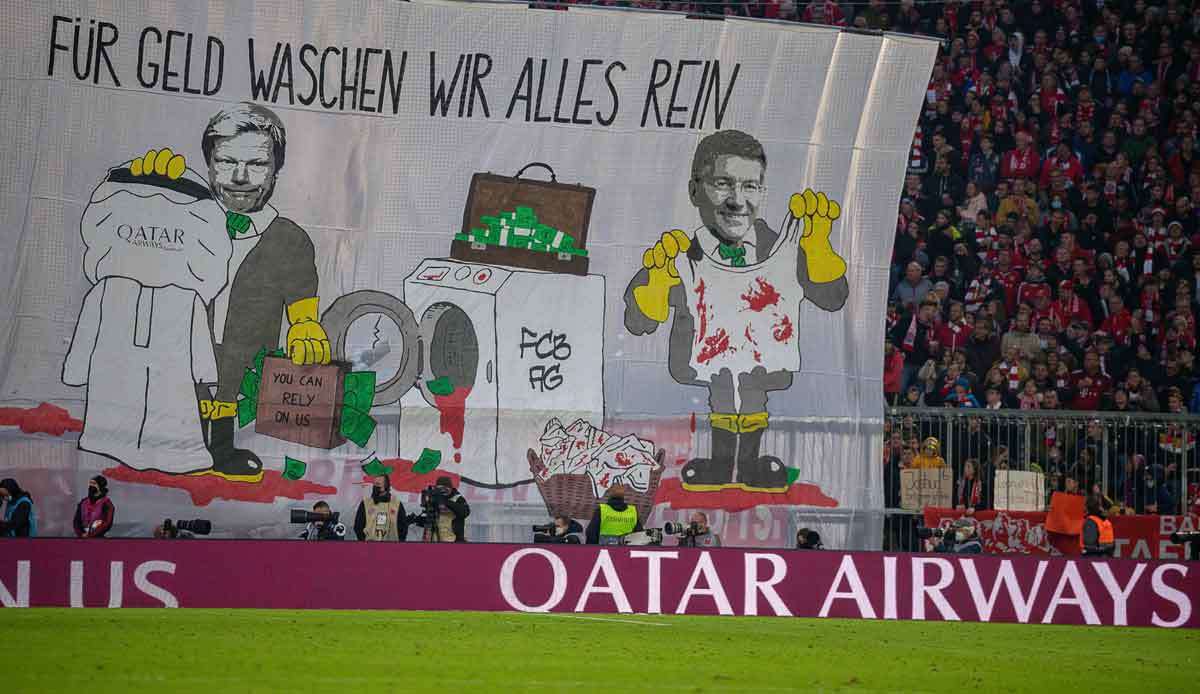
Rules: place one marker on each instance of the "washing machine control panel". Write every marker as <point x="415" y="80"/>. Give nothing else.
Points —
<point x="443" y="272"/>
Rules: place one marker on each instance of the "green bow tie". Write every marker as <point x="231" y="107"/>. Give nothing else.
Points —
<point x="236" y="224"/>
<point x="736" y="255"/>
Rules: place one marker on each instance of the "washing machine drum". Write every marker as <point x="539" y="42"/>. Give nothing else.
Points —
<point x="443" y="348"/>
<point x="348" y="308"/>
<point x="449" y="350"/>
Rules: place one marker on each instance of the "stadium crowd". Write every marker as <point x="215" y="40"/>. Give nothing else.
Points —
<point x="1044" y="243"/>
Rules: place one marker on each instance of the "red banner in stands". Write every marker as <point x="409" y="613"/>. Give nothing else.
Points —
<point x="1020" y="532"/>
<point x="543" y="578"/>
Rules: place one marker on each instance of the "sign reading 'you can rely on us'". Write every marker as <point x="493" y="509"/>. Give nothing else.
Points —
<point x="301" y="404"/>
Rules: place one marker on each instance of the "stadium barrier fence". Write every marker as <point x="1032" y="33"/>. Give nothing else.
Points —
<point x="1144" y="463"/>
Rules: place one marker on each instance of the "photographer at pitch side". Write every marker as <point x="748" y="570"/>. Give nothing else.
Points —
<point x="444" y="513"/>
<point x="327" y="529"/>
<point x="613" y="519"/>
<point x="380" y="516"/>
<point x="564" y="531"/>
<point x="961" y="538"/>
<point x="698" y="534"/>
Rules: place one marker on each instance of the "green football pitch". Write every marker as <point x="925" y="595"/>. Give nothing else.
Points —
<point x="55" y="650"/>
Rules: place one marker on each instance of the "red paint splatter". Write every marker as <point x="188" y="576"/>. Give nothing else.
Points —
<point x="453" y="408"/>
<point x="757" y="357"/>
<point x="623" y="460"/>
<point x="734" y="500"/>
<point x="714" y="345"/>
<point x="761" y="297"/>
<point x="205" y="488"/>
<point x="693" y="423"/>
<point x="403" y="478"/>
<point x="750" y="335"/>
<point x="43" y="419"/>
<point x="457" y="457"/>
<point x="701" y="312"/>
<point x="782" y="329"/>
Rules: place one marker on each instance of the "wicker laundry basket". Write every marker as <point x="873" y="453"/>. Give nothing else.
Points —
<point x="571" y="495"/>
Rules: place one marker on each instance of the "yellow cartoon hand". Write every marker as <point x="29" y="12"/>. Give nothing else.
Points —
<point x="162" y="162"/>
<point x="307" y="342"/>
<point x="653" y="299"/>
<point x="818" y="213"/>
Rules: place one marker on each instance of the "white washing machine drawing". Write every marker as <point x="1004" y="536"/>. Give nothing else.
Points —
<point x="502" y="350"/>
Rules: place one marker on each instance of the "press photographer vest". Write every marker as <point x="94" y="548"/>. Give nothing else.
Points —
<point x="446" y="526"/>
<point x="382" y="520"/>
<point x="617" y="523"/>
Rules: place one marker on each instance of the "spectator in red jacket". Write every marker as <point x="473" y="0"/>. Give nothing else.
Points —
<point x="1089" y="384"/>
<point x="824" y="12"/>
<point x="1063" y="160"/>
<point x="953" y="333"/>
<point x="1071" y="306"/>
<point x="95" y="512"/>
<point x="1183" y="161"/>
<point x="1021" y="162"/>
<point x="893" y="371"/>
<point x="1119" y="318"/>
<point x="1034" y="289"/>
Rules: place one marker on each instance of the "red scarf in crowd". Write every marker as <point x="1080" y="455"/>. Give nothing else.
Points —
<point x="910" y="336"/>
<point x="969" y="492"/>
<point x="1012" y="374"/>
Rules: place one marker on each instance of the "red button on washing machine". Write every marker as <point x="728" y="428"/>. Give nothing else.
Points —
<point x="482" y="275"/>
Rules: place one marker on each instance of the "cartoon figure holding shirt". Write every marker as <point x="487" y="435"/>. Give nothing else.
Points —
<point x="736" y="286"/>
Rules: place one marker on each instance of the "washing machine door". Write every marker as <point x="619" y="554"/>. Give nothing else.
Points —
<point x="449" y="350"/>
<point x="380" y="331"/>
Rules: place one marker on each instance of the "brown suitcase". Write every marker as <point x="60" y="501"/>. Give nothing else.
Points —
<point x="563" y="206"/>
<point x="302" y="404"/>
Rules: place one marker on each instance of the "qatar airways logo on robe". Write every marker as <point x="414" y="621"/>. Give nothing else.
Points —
<point x="1055" y="591"/>
<point x="149" y="236"/>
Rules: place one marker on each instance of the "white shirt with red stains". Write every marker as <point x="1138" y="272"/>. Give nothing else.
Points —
<point x="747" y="316"/>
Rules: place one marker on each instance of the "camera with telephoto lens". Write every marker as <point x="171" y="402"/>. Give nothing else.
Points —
<point x="186" y="528"/>
<point x="681" y="530"/>
<point x="433" y="498"/>
<point x="548" y="532"/>
<point x="328" y="526"/>
<point x="647" y="537"/>
<point x="947" y="537"/>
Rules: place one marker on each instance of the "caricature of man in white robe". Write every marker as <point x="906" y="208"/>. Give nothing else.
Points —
<point x="157" y="253"/>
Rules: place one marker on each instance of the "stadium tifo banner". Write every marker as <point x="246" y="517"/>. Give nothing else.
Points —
<point x="1024" y="532"/>
<point x="581" y="578"/>
<point x="253" y="251"/>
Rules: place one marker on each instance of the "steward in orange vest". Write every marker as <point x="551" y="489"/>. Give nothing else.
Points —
<point x="1096" y="539"/>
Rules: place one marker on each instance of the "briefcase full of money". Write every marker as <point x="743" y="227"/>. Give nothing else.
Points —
<point x="526" y="223"/>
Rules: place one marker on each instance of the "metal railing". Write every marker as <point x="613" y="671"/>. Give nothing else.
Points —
<point x="1143" y="463"/>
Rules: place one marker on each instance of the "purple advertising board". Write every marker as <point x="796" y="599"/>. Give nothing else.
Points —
<point x="565" y="578"/>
